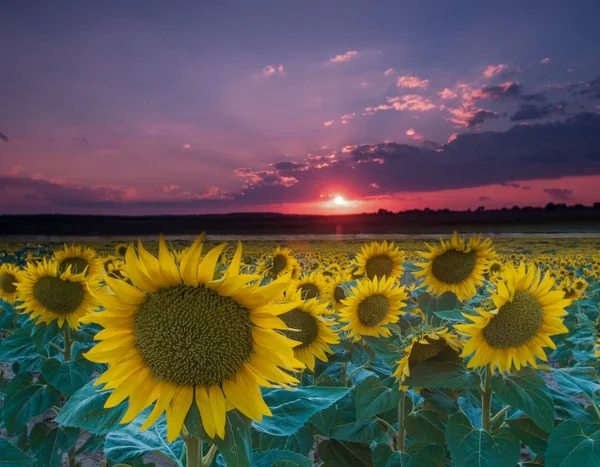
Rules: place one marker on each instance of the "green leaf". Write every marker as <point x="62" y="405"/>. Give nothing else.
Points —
<point x="50" y="445"/>
<point x="129" y="443"/>
<point x="381" y="454"/>
<point x="567" y="408"/>
<point x="301" y="442"/>
<point x="442" y="374"/>
<point x="576" y="384"/>
<point x="450" y="315"/>
<point x="372" y="398"/>
<point x="427" y="426"/>
<point x="85" y="409"/>
<point x="92" y="444"/>
<point x="19" y="347"/>
<point x="342" y="454"/>
<point x="478" y="448"/>
<point x="25" y="400"/>
<point x="69" y="376"/>
<point x="572" y="445"/>
<point x="527" y="391"/>
<point x="430" y="456"/>
<point x="530" y="434"/>
<point x="292" y="409"/>
<point x="12" y="456"/>
<point x="275" y="456"/>
<point x="324" y="420"/>
<point x="236" y="448"/>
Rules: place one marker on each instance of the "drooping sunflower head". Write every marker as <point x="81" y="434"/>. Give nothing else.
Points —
<point x="9" y="278"/>
<point x="81" y="259"/>
<point x="372" y="305"/>
<point x="379" y="259"/>
<point x="313" y="285"/>
<point x="121" y="249"/>
<point x="49" y="295"/>
<point x="179" y="335"/>
<point x="456" y="265"/>
<point x="308" y="325"/>
<point x="338" y="289"/>
<point x="526" y="312"/>
<point x="424" y="347"/>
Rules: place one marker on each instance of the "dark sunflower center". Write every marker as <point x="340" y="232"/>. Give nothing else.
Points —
<point x="423" y="352"/>
<point x="570" y="293"/>
<point x="339" y="294"/>
<point x="8" y="283"/>
<point x="192" y="335"/>
<point x="78" y="265"/>
<point x="122" y="250"/>
<point x="279" y="264"/>
<point x="304" y="322"/>
<point x="453" y="267"/>
<point x="373" y="309"/>
<point x="309" y="291"/>
<point x="495" y="267"/>
<point x="60" y="297"/>
<point x="516" y="322"/>
<point x="379" y="266"/>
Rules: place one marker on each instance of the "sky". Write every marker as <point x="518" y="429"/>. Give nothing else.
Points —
<point x="331" y="107"/>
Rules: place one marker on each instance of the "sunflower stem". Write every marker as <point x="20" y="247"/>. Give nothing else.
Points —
<point x="67" y="351"/>
<point x="486" y="400"/>
<point x="401" y="435"/>
<point x="207" y="460"/>
<point x="71" y="456"/>
<point x="344" y="377"/>
<point x="496" y="417"/>
<point x="193" y="450"/>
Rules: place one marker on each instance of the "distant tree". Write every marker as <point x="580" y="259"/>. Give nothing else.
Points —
<point x="516" y="208"/>
<point x="597" y="205"/>
<point x="481" y="209"/>
<point x="550" y="207"/>
<point x="427" y="210"/>
<point x="579" y="206"/>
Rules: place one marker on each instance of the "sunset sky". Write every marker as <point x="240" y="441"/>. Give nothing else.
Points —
<point x="158" y="107"/>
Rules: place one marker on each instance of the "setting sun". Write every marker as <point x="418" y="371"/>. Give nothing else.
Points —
<point x="339" y="201"/>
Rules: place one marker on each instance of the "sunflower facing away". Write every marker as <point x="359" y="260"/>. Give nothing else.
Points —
<point x="49" y="295"/>
<point x="177" y="336"/>
<point x="372" y="305"/>
<point x="80" y="259"/>
<point x="422" y="348"/>
<point x="526" y="313"/>
<point x="456" y="265"/>
<point x="379" y="259"/>
<point x="313" y="285"/>
<point x="307" y="324"/>
<point x="9" y="278"/>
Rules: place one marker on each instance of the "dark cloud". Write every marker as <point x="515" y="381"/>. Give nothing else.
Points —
<point x="536" y="97"/>
<point x="285" y="165"/>
<point x="3" y="137"/>
<point x="511" y="184"/>
<point x="484" y="198"/>
<point x="536" y="112"/>
<point x="502" y="91"/>
<point x="81" y="139"/>
<point x="480" y="117"/>
<point x="559" y="194"/>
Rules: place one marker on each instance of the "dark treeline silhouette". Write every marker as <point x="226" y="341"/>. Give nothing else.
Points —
<point x="551" y="218"/>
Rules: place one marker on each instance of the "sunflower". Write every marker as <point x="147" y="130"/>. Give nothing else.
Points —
<point x="372" y="305"/>
<point x="456" y="265"/>
<point x="313" y="285"/>
<point x="81" y="259"/>
<point x="307" y="324"/>
<point x="379" y="260"/>
<point x="49" y="295"/>
<point x="425" y="346"/>
<point x="121" y="249"/>
<point x="179" y="336"/>
<point x="107" y="261"/>
<point x="9" y="278"/>
<point x="336" y="291"/>
<point x="282" y="262"/>
<point x="526" y="313"/>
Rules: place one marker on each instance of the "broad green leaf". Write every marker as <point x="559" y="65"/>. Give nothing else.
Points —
<point x="471" y="407"/>
<point x="324" y="420"/>
<point x="381" y="454"/>
<point x="440" y="399"/>
<point x="430" y="456"/>
<point x="19" y="347"/>
<point x="50" y="445"/>
<point x="372" y="398"/>
<point x="427" y="426"/>
<point x="276" y="456"/>
<point x="572" y="445"/>
<point x="341" y="454"/>
<point x="92" y="444"/>
<point x="24" y="400"/>
<point x="292" y="409"/>
<point x="12" y="456"/>
<point x="576" y="384"/>
<point x="442" y="374"/>
<point x="236" y="448"/>
<point x="69" y="376"/>
<point x="478" y="448"/>
<point x="301" y="442"/>
<point x="85" y="409"/>
<point x="567" y="408"/>
<point x="527" y="391"/>
<point x="530" y="434"/>
<point x="450" y="315"/>
<point x="130" y="443"/>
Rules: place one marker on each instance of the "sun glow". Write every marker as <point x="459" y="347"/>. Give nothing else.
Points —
<point x="339" y="201"/>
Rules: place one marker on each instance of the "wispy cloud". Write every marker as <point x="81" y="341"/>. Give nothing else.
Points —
<point x="559" y="194"/>
<point x="493" y="70"/>
<point x="447" y="94"/>
<point x="545" y="61"/>
<point x="412" y="102"/>
<point x="412" y="82"/>
<point x="328" y="123"/>
<point x="388" y="72"/>
<point x="345" y="57"/>
<point x="270" y="70"/>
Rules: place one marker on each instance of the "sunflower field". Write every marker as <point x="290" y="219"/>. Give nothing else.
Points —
<point x="461" y="351"/>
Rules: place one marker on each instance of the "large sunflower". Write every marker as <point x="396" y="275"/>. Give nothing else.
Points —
<point x="372" y="305"/>
<point x="49" y="295"/>
<point x="456" y="265"/>
<point x="425" y="346"/>
<point x="9" y="278"/>
<point x="379" y="260"/>
<point x="80" y="259"/>
<point x="313" y="285"/>
<point x="526" y="313"/>
<point x="179" y="336"/>
<point x="307" y="324"/>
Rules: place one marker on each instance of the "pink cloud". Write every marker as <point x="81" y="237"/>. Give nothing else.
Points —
<point x="345" y="57"/>
<point x="328" y="123"/>
<point x="410" y="132"/>
<point x="187" y="146"/>
<point x="388" y="72"/>
<point x="493" y="70"/>
<point x="374" y="185"/>
<point x="412" y="82"/>
<point x="170" y="188"/>
<point x="412" y="102"/>
<point x="545" y="60"/>
<point x="452" y="137"/>
<point x="270" y="70"/>
<point x="447" y="94"/>
<point x="345" y="119"/>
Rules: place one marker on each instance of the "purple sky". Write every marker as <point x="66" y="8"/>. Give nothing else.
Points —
<point x="141" y="107"/>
